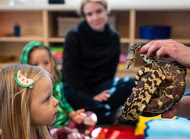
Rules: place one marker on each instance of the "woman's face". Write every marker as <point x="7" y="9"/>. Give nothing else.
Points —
<point x="96" y="15"/>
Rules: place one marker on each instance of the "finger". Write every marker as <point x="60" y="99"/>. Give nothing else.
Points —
<point x="108" y="95"/>
<point x="107" y="91"/>
<point x="105" y="97"/>
<point x="144" y="48"/>
<point x="80" y="111"/>
<point x="83" y="115"/>
<point x="162" y="53"/>
<point x="169" y="78"/>
<point x="164" y="115"/>
<point x="155" y="45"/>
<point x="167" y="114"/>
<point x="133" y="89"/>
<point x="170" y="113"/>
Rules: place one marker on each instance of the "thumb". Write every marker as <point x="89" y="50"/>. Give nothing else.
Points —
<point x="106" y="91"/>
<point x="80" y="111"/>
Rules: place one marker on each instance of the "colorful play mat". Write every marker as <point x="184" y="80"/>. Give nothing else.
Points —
<point x="147" y="128"/>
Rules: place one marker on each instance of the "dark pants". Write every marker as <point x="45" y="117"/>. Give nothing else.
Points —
<point x="120" y="89"/>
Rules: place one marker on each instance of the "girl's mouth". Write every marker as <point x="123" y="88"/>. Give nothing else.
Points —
<point x="55" y="114"/>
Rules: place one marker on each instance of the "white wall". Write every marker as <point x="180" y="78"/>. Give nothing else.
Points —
<point x="143" y="4"/>
<point x="114" y="4"/>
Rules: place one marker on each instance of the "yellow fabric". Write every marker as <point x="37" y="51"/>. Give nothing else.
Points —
<point x="141" y="125"/>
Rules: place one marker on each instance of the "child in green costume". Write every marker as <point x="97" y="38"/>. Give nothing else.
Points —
<point x="37" y="54"/>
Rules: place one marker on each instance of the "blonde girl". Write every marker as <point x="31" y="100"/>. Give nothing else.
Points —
<point x="26" y="109"/>
<point x="37" y="54"/>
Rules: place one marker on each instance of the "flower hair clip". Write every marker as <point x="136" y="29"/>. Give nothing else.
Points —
<point x="22" y="80"/>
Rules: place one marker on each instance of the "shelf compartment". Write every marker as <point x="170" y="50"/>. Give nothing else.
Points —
<point x="57" y="39"/>
<point x="30" y="22"/>
<point x="20" y="39"/>
<point x="184" y="41"/>
<point x="178" y="20"/>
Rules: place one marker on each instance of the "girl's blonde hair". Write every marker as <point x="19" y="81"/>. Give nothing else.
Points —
<point x="83" y="2"/>
<point x="15" y="103"/>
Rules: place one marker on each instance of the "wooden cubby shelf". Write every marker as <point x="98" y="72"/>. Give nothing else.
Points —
<point x="40" y="24"/>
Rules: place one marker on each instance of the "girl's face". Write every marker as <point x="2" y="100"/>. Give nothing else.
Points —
<point x="40" y="57"/>
<point x="43" y="106"/>
<point x="96" y="15"/>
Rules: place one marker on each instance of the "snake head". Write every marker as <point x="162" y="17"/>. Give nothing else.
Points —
<point x="132" y="52"/>
<point x="130" y="61"/>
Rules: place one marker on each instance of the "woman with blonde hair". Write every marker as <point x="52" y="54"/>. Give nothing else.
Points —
<point x="91" y="56"/>
<point x="27" y="103"/>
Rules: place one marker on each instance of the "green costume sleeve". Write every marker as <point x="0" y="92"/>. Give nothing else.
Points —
<point x="64" y="107"/>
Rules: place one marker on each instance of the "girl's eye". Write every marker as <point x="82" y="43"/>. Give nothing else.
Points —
<point x="33" y="64"/>
<point x="47" y="99"/>
<point x="46" y="63"/>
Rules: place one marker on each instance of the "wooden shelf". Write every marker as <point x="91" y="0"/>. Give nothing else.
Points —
<point x="185" y="41"/>
<point x="62" y="40"/>
<point x="41" y="25"/>
<point x="141" y="40"/>
<point x="6" y="64"/>
<point x="125" y="40"/>
<point x="59" y="40"/>
<point x="20" y="39"/>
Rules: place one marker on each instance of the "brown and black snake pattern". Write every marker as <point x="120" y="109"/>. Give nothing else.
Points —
<point x="153" y="94"/>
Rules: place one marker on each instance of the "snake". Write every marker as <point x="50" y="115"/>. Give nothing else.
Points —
<point x="153" y="93"/>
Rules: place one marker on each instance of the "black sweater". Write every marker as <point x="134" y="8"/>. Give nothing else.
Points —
<point x="90" y="57"/>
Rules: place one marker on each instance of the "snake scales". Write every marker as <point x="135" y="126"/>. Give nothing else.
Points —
<point x="153" y="94"/>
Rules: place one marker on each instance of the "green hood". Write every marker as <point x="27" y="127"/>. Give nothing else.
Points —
<point x="26" y="50"/>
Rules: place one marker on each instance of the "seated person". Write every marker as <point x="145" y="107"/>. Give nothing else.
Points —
<point x="91" y="56"/>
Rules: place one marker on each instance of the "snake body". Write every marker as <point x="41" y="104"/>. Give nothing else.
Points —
<point x="153" y="94"/>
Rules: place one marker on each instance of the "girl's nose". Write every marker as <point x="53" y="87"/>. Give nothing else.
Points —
<point x="41" y="66"/>
<point x="56" y="102"/>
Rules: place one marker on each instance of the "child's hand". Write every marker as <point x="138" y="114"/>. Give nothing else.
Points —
<point x="78" y="116"/>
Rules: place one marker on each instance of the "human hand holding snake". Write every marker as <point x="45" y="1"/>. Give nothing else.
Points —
<point x="153" y="94"/>
<point x="168" y="48"/>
